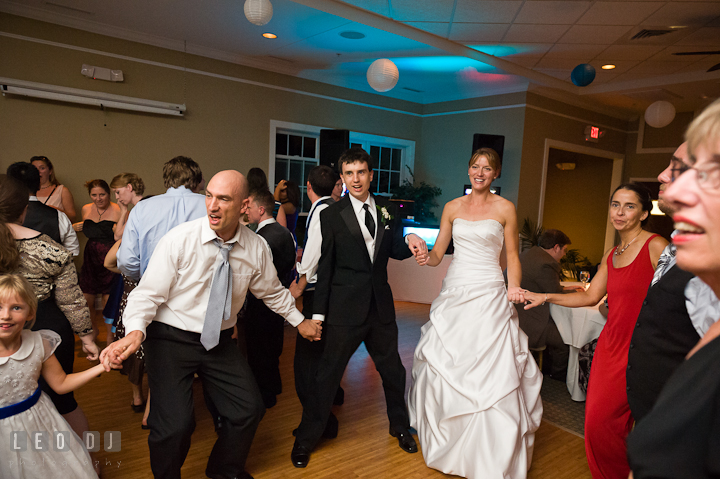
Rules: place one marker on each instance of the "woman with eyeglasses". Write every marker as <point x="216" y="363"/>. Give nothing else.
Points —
<point x="624" y="274"/>
<point x="680" y="437"/>
<point x="51" y="192"/>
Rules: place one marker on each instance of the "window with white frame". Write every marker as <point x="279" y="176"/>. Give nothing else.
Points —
<point x="294" y="151"/>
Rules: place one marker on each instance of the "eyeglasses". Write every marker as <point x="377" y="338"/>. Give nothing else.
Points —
<point x="708" y="177"/>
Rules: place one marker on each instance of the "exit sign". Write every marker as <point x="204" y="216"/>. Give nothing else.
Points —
<point x="593" y="133"/>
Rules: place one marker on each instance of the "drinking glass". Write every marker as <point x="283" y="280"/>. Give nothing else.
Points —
<point x="585" y="278"/>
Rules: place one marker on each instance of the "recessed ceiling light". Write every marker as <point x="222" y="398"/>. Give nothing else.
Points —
<point x="608" y="67"/>
<point x="269" y="35"/>
<point x="352" y="35"/>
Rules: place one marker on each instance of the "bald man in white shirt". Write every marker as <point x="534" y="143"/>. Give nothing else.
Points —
<point x="170" y="309"/>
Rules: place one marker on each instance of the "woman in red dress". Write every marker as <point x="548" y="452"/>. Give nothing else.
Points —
<point x="624" y="274"/>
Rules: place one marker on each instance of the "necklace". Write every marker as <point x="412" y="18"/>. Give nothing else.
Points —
<point x="100" y="215"/>
<point x="618" y="253"/>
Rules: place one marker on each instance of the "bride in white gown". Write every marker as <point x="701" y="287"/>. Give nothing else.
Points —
<point x="475" y="398"/>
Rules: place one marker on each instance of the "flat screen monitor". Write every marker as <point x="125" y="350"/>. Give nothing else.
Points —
<point x="427" y="233"/>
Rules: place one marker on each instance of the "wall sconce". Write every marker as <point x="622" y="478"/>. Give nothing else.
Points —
<point x="565" y="166"/>
<point x="656" y="209"/>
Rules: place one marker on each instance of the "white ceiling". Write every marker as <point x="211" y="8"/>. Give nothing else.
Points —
<point x="444" y="49"/>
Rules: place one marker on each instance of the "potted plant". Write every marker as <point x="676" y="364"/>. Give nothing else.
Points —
<point x="422" y="194"/>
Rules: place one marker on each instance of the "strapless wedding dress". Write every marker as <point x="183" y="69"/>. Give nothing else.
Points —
<point x="475" y="398"/>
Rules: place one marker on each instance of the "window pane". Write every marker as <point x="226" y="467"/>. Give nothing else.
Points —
<point x="374" y="184"/>
<point x="280" y="170"/>
<point x="295" y="145"/>
<point x="353" y="145"/>
<point x="394" y="180"/>
<point x="296" y="171"/>
<point x="396" y="156"/>
<point x="384" y="185"/>
<point x="280" y="144"/>
<point x="309" y="147"/>
<point x="308" y="166"/>
<point x="385" y="160"/>
<point x="375" y="153"/>
<point x="306" y="203"/>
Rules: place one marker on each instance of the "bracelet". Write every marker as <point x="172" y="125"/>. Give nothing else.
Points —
<point x="545" y="300"/>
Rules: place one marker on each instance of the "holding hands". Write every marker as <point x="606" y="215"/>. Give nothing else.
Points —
<point x="418" y="247"/>
<point x="113" y="356"/>
<point x="310" y="329"/>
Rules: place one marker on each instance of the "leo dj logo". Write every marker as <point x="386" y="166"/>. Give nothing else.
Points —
<point x="61" y="440"/>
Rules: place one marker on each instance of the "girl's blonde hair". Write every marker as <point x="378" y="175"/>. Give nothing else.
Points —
<point x="124" y="179"/>
<point x="14" y="284"/>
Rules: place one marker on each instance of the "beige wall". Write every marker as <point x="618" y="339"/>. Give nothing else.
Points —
<point x="447" y="142"/>
<point x="550" y="119"/>
<point x="227" y="123"/>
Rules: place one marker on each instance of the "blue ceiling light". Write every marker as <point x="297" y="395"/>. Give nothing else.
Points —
<point x="440" y="64"/>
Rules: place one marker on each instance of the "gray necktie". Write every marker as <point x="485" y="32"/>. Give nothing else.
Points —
<point x="219" y="305"/>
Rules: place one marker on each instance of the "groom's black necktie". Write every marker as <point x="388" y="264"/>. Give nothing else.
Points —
<point x="369" y="221"/>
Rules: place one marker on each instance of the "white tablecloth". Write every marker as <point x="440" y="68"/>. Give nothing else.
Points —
<point x="577" y="326"/>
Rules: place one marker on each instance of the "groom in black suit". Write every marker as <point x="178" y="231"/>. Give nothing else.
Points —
<point x="353" y="298"/>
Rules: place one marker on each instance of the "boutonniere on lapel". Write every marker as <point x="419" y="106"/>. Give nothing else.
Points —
<point x="385" y="215"/>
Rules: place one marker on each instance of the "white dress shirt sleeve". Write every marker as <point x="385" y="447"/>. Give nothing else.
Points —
<point x="154" y="287"/>
<point x="68" y="237"/>
<point x="702" y="305"/>
<point x="308" y="265"/>
<point x="267" y="287"/>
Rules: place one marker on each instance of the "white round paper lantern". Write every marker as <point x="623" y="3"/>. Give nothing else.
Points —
<point x="382" y="75"/>
<point x="259" y="12"/>
<point x="660" y="114"/>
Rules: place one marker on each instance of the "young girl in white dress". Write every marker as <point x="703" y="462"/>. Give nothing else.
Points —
<point x="24" y="409"/>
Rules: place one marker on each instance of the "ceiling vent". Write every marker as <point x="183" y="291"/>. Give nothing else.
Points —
<point x="645" y="33"/>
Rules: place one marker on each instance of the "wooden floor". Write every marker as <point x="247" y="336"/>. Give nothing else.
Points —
<point x="363" y="447"/>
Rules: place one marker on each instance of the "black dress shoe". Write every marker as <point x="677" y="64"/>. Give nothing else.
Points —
<point x="300" y="456"/>
<point x="405" y="439"/>
<point x="331" y="427"/>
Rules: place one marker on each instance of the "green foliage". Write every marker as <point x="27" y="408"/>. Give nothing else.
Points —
<point x="422" y="194"/>
<point x="573" y="262"/>
<point x="529" y="234"/>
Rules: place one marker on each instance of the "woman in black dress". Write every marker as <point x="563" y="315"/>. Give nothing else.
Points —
<point x="99" y="220"/>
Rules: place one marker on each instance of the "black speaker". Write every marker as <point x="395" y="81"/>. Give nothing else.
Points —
<point x="333" y="143"/>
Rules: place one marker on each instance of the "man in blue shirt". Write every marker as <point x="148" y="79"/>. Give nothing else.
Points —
<point x="152" y="218"/>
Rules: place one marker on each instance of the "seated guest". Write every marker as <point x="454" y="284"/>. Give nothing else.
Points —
<point x="263" y="327"/>
<point x="541" y="272"/>
<point x="677" y="311"/>
<point x="680" y="436"/>
<point x="40" y="217"/>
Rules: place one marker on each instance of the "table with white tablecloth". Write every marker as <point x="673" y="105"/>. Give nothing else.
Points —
<point x="577" y="326"/>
